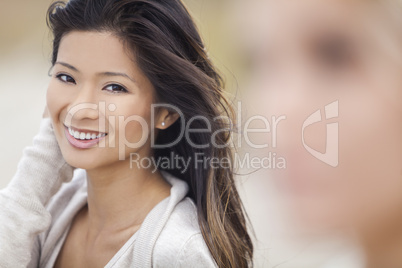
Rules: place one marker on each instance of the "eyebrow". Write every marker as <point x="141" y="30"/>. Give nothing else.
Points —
<point x="100" y="74"/>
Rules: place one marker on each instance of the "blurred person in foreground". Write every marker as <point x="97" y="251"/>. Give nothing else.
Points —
<point x="333" y="69"/>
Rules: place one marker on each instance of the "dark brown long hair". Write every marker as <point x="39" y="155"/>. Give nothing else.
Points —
<point x="169" y="50"/>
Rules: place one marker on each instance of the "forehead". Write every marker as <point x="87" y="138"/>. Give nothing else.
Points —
<point x="282" y="17"/>
<point x="282" y="24"/>
<point x="95" y="50"/>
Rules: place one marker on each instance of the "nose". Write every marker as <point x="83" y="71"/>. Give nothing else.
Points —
<point x="84" y="106"/>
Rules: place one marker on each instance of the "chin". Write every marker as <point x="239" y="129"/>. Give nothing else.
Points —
<point x="85" y="159"/>
<point x="83" y="164"/>
<point x="86" y="166"/>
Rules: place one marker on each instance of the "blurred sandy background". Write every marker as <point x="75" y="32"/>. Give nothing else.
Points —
<point x="24" y="53"/>
<point x="24" y="66"/>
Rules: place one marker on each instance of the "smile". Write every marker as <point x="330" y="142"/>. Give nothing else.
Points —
<point x="83" y="139"/>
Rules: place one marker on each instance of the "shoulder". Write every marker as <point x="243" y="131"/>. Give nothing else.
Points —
<point x="70" y="195"/>
<point x="63" y="206"/>
<point x="181" y="243"/>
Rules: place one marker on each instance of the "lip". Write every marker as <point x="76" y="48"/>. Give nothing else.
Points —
<point x="81" y="144"/>
<point x="85" y="130"/>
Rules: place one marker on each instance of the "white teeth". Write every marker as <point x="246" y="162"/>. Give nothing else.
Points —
<point x="84" y="136"/>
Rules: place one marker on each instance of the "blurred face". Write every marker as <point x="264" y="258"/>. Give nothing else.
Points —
<point x="344" y="163"/>
<point x="99" y="101"/>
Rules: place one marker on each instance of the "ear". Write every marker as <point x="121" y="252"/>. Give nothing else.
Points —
<point x="165" y="118"/>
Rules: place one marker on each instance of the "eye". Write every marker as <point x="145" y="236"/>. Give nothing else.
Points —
<point x="335" y="52"/>
<point x="65" y="78"/>
<point x="114" y="88"/>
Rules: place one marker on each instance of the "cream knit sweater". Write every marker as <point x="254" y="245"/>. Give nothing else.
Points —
<point x="38" y="205"/>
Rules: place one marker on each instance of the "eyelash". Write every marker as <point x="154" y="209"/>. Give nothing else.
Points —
<point x="68" y="77"/>
<point x="59" y="76"/>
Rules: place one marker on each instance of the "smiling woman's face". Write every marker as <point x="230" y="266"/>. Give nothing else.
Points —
<point x="93" y="68"/>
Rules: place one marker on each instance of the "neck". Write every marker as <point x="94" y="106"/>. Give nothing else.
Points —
<point x="120" y="197"/>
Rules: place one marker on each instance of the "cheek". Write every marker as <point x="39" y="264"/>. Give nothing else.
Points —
<point x="52" y="100"/>
<point x="56" y="100"/>
<point x="135" y="131"/>
<point x="133" y="119"/>
<point x="366" y="187"/>
<point x="55" y="103"/>
<point x="367" y="184"/>
<point x="371" y="157"/>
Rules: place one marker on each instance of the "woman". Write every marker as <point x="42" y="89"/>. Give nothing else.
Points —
<point x="333" y="68"/>
<point x="136" y="118"/>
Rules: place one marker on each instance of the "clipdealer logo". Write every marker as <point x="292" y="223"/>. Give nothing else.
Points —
<point x="331" y="155"/>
